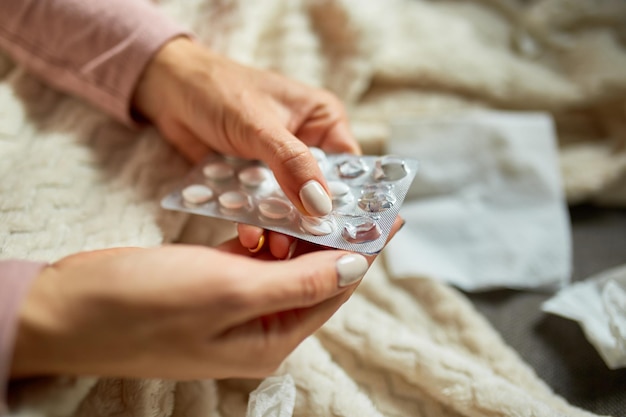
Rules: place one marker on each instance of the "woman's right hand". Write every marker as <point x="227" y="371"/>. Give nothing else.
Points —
<point x="178" y="311"/>
<point x="201" y="101"/>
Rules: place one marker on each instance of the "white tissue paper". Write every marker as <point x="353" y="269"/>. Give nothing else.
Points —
<point x="486" y="209"/>
<point x="274" y="397"/>
<point x="598" y="304"/>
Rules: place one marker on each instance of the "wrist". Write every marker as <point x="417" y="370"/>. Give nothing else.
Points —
<point x="156" y="87"/>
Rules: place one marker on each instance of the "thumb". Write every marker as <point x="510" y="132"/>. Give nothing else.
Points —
<point x="303" y="282"/>
<point x="296" y="170"/>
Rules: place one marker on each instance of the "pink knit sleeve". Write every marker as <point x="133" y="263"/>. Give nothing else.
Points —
<point x="15" y="280"/>
<point x="91" y="48"/>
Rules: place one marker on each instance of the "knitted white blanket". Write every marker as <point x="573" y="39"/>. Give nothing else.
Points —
<point x="73" y="180"/>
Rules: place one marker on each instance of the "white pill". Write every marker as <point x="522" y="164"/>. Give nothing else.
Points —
<point x="274" y="208"/>
<point x="318" y="154"/>
<point x="218" y="171"/>
<point x="338" y="189"/>
<point x="317" y="226"/>
<point x="253" y="176"/>
<point x="197" y="194"/>
<point x="233" y="200"/>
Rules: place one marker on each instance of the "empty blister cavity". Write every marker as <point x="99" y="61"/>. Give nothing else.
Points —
<point x="234" y="200"/>
<point x="317" y="226"/>
<point x="376" y="198"/>
<point x="218" y="171"/>
<point x="389" y="168"/>
<point x="351" y="168"/>
<point x="197" y="194"/>
<point x="274" y="208"/>
<point x="254" y="176"/>
<point x="361" y="230"/>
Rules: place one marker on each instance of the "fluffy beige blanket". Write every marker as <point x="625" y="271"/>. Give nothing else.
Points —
<point x="73" y="180"/>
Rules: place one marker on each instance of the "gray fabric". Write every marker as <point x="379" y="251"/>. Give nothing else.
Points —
<point x="555" y="347"/>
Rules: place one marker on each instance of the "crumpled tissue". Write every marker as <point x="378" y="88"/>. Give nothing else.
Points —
<point x="598" y="304"/>
<point x="274" y="397"/>
<point x="486" y="209"/>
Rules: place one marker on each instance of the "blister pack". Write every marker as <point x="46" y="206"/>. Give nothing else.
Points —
<point x="367" y="192"/>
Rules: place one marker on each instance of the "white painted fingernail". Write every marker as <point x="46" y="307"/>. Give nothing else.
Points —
<point x="292" y="250"/>
<point x="314" y="199"/>
<point x="350" y="269"/>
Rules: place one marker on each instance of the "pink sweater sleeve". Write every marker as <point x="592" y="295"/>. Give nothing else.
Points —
<point x="15" y="280"/>
<point x="96" y="49"/>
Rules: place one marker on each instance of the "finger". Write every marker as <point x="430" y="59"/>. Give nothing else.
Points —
<point x="339" y="139"/>
<point x="253" y="238"/>
<point x="250" y="236"/>
<point x="327" y="127"/>
<point x="295" y="169"/>
<point x="269" y="339"/>
<point x="281" y="245"/>
<point x="306" y="280"/>
<point x="301" y="282"/>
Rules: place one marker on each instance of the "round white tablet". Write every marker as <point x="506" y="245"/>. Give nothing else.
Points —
<point x="318" y="154"/>
<point x="317" y="226"/>
<point x="274" y="208"/>
<point x="218" y="171"/>
<point x="197" y="194"/>
<point x="338" y="189"/>
<point x="233" y="200"/>
<point x="253" y="176"/>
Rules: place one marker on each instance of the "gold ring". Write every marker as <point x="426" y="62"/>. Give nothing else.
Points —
<point x="259" y="245"/>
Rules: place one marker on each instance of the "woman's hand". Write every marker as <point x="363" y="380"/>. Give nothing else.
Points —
<point x="178" y="311"/>
<point x="201" y="101"/>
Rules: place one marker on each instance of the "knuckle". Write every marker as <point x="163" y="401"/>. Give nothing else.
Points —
<point x="291" y="154"/>
<point x="258" y="131"/>
<point x="312" y="287"/>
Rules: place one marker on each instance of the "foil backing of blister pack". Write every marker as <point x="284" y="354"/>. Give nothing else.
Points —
<point x="367" y="191"/>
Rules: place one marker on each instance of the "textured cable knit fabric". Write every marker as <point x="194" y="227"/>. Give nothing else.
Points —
<point x="398" y="348"/>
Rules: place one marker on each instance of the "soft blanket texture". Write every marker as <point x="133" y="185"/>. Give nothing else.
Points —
<point x="73" y="180"/>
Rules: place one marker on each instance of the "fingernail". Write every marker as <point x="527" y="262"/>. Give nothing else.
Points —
<point x="314" y="199"/>
<point x="292" y="249"/>
<point x="350" y="269"/>
<point x="402" y="225"/>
